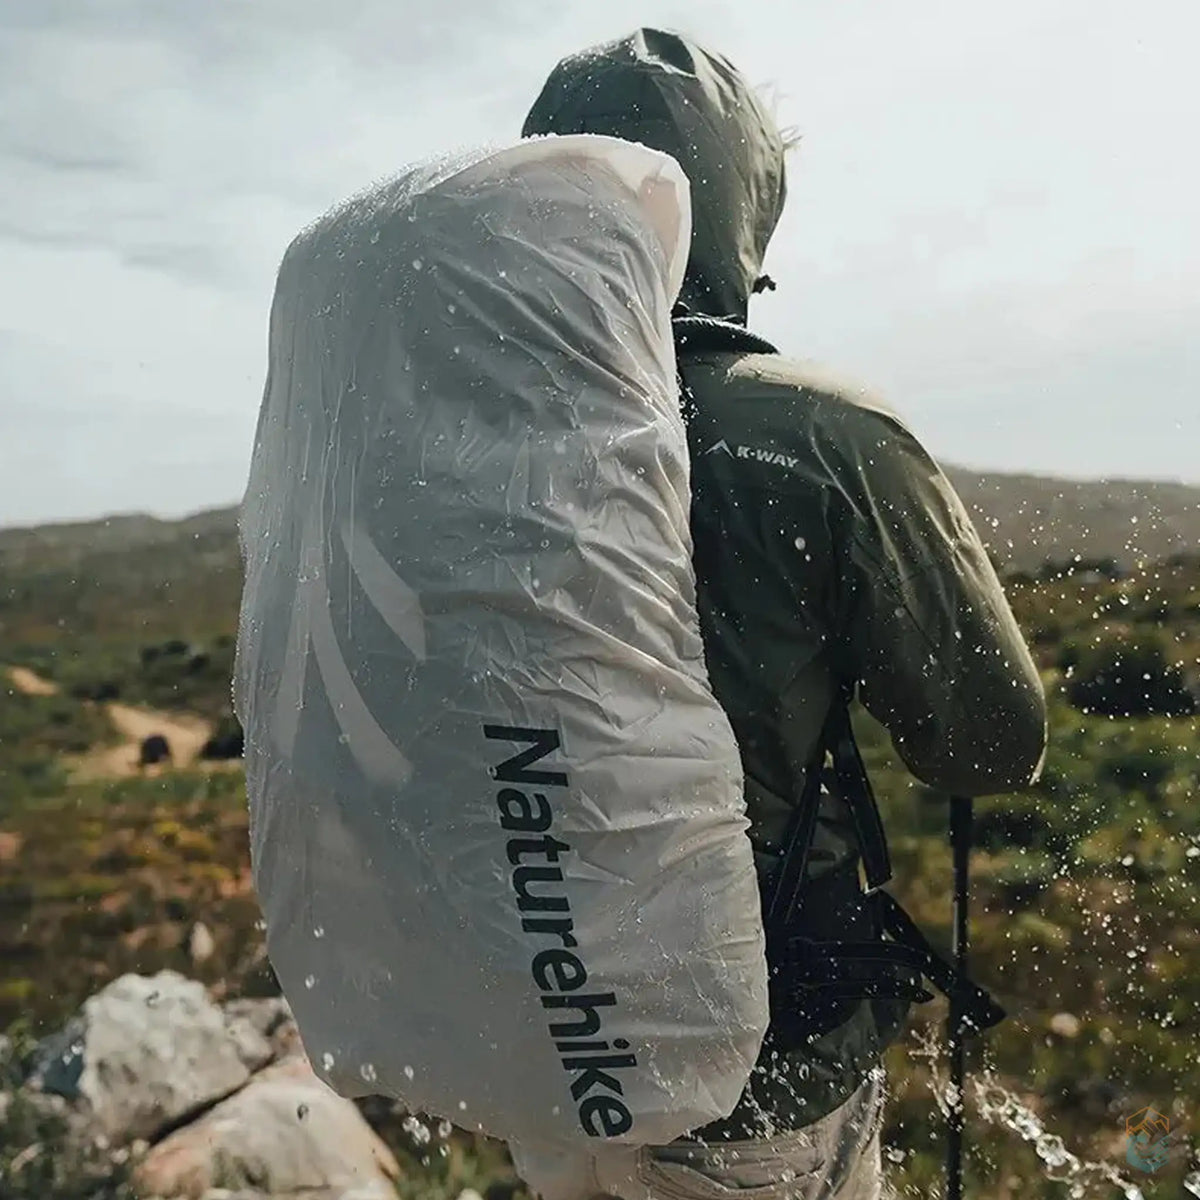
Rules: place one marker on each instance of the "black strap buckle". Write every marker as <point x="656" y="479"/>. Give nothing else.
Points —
<point x="973" y="1006"/>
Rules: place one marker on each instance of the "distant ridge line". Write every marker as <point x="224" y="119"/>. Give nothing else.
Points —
<point x="1025" y="520"/>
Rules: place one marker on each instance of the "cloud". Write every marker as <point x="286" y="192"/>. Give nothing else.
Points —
<point x="990" y="213"/>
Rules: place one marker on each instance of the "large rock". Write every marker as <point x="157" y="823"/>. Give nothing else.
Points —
<point x="284" y="1136"/>
<point x="148" y="1053"/>
<point x="271" y="1018"/>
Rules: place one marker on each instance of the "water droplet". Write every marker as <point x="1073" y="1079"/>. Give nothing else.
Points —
<point x="417" y="1130"/>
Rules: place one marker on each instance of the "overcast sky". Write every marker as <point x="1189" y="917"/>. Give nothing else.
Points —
<point x="992" y="213"/>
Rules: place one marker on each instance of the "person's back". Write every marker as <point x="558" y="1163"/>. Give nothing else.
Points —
<point x="831" y="555"/>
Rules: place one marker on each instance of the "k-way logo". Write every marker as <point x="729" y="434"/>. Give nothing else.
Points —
<point x="755" y="454"/>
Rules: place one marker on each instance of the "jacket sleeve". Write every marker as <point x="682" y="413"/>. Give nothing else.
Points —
<point x="931" y="641"/>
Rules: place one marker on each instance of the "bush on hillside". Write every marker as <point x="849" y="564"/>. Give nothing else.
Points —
<point x="227" y="740"/>
<point x="1128" y="677"/>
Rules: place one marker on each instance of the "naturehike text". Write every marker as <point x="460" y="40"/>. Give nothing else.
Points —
<point x="558" y="973"/>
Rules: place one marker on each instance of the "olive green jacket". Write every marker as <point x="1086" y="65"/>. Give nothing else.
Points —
<point x="828" y="544"/>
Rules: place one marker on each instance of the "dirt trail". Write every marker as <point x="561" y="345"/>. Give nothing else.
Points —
<point x="185" y="735"/>
<point x="30" y="683"/>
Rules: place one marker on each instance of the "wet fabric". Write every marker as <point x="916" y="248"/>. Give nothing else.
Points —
<point x="830" y="548"/>
<point x="498" y="825"/>
<point x="665" y="91"/>
<point x="835" y="1158"/>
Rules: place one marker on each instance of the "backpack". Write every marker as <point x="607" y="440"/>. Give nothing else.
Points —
<point x="497" y="824"/>
<point x="816" y="981"/>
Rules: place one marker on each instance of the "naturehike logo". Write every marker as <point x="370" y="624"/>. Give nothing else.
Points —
<point x="558" y="973"/>
<point x="1148" y="1140"/>
<point x="753" y="453"/>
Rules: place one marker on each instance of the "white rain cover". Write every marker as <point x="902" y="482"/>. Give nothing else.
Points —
<point x="497" y="823"/>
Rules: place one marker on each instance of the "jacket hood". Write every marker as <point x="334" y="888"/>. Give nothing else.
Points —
<point x="667" y="92"/>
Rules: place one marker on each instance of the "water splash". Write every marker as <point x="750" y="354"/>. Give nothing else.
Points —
<point x="998" y="1106"/>
<point x="1001" y="1108"/>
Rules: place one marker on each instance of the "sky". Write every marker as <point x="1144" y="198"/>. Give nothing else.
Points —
<point x="991" y="214"/>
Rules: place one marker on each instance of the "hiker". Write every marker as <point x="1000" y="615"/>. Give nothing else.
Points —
<point x="832" y="556"/>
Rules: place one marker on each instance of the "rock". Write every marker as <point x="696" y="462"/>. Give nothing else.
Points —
<point x="270" y="1018"/>
<point x="147" y="1053"/>
<point x="1065" y="1025"/>
<point x="201" y="945"/>
<point x="284" y="1135"/>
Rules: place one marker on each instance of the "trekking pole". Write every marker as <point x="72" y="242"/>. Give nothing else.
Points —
<point x="960" y="847"/>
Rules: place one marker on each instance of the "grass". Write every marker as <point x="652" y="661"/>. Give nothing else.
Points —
<point x="1086" y="918"/>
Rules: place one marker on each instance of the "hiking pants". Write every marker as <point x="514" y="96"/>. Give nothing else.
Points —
<point x="835" y="1158"/>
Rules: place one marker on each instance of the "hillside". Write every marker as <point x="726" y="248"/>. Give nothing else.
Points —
<point x="1024" y="519"/>
<point x="1086" y="917"/>
<point x="138" y="577"/>
<point x="1029" y="519"/>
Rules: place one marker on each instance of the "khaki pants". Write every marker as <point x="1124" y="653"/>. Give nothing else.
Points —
<point x="835" y="1158"/>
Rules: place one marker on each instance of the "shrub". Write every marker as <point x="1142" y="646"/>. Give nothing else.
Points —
<point x="1129" y="677"/>
<point x="39" y="1157"/>
<point x="227" y="740"/>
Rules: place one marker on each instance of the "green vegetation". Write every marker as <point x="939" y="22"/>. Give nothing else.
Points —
<point x="1086" y="910"/>
<point x="38" y="1158"/>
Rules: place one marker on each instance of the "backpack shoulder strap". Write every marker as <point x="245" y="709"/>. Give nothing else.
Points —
<point x="889" y="965"/>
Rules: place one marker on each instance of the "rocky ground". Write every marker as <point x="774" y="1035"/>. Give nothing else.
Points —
<point x="156" y="1085"/>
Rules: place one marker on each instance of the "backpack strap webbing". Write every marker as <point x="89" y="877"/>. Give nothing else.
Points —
<point x="806" y="970"/>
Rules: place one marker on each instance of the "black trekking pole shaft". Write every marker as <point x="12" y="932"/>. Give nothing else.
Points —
<point x="960" y="846"/>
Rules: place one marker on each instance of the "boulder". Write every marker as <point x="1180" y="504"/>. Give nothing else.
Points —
<point x="145" y="1054"/>
<point x="270" y="1018"/>
<point x="285" y="1135"/>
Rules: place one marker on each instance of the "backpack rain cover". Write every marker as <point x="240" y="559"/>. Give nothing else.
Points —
<point x="496" y="816"/>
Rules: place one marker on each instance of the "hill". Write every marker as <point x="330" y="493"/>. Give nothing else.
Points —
<point x="1086" y="890"/>
<point x="1026" y="520"/>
